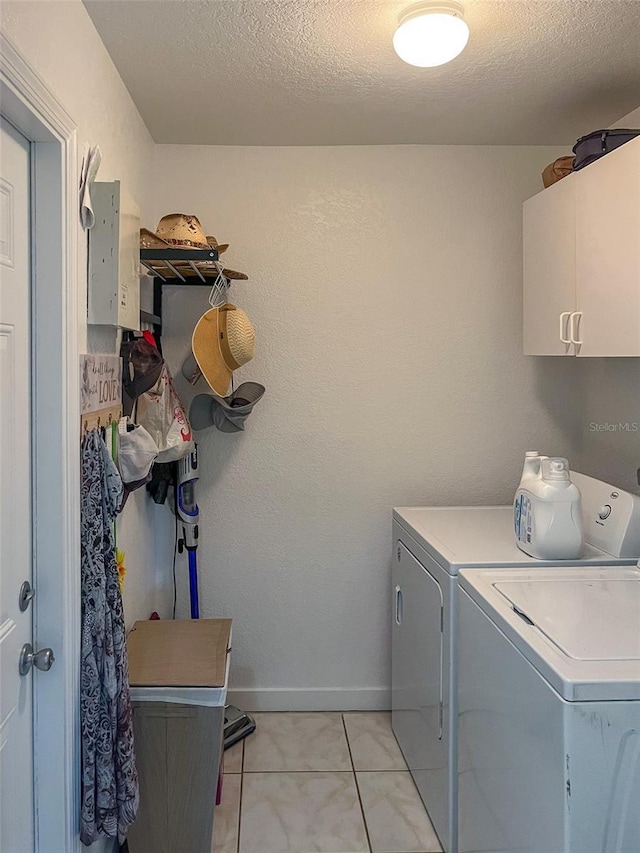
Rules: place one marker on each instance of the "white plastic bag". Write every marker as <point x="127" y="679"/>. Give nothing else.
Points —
<point x="162" y="414"/>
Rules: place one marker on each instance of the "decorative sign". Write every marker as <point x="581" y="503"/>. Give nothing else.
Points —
<point x="100" y="390"/>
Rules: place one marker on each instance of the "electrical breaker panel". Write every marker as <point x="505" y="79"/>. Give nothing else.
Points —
<point x="114" y="258"/>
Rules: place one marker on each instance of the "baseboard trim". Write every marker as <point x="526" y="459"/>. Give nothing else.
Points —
<point x="310" y="699"/>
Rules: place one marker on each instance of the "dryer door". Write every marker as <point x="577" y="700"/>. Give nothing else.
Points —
<point x="417" y="686"/>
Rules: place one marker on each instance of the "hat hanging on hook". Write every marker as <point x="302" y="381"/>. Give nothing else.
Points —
<point x="223" y="340"/>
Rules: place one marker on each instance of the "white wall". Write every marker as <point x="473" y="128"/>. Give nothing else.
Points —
<point x="60" y="42"/>
<point x="608" y="431"/>
<point x="631" y="120"/>
<point x="386" y="291"/>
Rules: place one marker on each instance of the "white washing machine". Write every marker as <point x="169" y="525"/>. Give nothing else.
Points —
<point x="549" y="710"/>
<point x="430" y="546"/>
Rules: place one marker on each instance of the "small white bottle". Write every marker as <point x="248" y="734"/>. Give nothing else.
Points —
<point x="548" y="511"/>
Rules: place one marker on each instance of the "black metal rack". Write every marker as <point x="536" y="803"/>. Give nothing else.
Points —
<point x="169" y="273"/>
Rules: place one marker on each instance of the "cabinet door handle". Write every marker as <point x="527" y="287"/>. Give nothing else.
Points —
<point x="563" y="327"/>
<point x="398" y="605"/>
<point x="574" y="321"/>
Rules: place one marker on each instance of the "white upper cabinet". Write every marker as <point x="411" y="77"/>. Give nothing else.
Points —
<point x="582" y="261"/>
<point x="608" y="253"/>
<point x="549" y="269"/>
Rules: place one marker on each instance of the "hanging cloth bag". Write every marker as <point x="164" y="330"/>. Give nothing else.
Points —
<point x="162" y="414"/>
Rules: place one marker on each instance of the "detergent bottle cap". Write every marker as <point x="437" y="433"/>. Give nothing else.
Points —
<point x="555" y="468"/>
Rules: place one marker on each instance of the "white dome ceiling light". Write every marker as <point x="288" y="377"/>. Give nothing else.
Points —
<point x="431" y="33"/>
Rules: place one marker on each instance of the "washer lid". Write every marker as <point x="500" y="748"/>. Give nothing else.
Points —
<point x="578" y="627"/>
<point x="593" y="620"/>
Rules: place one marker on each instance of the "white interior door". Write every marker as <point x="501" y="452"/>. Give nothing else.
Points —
<point x="16" y="691"/>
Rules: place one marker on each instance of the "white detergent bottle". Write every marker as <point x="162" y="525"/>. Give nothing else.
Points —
<point x="531" y="468"/>
<point x="548" y="511"/>
<point x="530" y="471"/>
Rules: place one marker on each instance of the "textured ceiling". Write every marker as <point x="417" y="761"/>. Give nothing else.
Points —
<point x="323" y="72"/>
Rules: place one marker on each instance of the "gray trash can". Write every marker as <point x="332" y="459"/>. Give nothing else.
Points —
<point x="178" y="672"/>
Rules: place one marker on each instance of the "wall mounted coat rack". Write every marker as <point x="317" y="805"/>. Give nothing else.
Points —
<point x="182" y="267"/>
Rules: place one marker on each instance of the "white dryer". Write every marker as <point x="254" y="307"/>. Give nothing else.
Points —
<point x="430" y="546"/>
<point x="549" y="710"/>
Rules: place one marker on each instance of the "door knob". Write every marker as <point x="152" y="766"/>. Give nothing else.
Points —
<point x="42" y="659"/>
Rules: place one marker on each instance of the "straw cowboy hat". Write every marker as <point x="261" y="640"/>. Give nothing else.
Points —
<point x="221" y="247"/>
<point x="181" y="230"/>
<point x="223" y="340"/>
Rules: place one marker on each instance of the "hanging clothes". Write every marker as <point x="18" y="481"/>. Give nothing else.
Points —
<point x="109" y="784"/>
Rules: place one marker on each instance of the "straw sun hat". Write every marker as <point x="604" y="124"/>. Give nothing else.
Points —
<point x="181" y="230"/>
<point x="223" y="340"/>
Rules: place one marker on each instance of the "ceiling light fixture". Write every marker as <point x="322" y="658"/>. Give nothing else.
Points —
<point x="431" y="33"/>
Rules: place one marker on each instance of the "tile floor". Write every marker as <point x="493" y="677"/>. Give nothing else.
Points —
<point x="320" y="783"/>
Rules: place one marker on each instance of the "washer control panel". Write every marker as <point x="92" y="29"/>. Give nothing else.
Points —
<point x="611" y="516"/>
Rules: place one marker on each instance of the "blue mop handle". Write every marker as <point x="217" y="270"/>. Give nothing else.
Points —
<point x="193" y="584"/>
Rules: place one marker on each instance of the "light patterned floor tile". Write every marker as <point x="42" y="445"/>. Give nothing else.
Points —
<point x="301" y="813"/>
<point x="226" y="816"/>
<point x="396" y="818"/>
<point x="372" y="742"/>
<point x="292" y="742"/>
<point x="233" y="758"/>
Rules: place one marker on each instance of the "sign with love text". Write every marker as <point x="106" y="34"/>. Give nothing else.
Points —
<point x="100" y="383"/>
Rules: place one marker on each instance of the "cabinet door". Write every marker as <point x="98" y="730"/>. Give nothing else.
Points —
<point x="608" y="254"/>
<point x="549" y="252"/>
